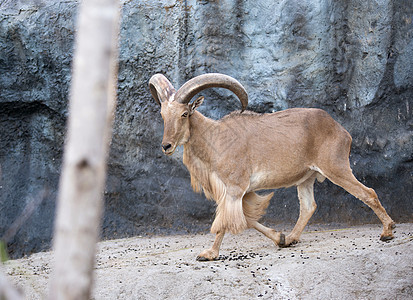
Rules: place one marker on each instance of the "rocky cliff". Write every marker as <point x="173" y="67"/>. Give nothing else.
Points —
<point x="352" y="58"/>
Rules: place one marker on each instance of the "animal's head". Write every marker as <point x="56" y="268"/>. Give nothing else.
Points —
<point x="176" y="108"/>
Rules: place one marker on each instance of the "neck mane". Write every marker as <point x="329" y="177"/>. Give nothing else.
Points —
<point x="197" y="156"/>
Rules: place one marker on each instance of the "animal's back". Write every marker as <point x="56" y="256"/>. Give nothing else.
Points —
<point x="292" y="126"/>
<point x="282" y="145"/>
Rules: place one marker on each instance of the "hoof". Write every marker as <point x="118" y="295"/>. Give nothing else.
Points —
<point x="201" y="258"/>
<point x="207" y="255"/>
<point x="386" y="238"/>
<point x="282" y="244"/>
<point x="286" y="241"/>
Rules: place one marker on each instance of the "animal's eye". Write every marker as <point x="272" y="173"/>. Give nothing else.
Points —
<point x="185" y="115"/>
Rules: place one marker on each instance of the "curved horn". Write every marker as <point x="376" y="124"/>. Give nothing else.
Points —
<point x="161" y="89"/>
<point x="202" y="82"/>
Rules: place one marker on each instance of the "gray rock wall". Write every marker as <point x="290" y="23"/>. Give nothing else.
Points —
<point x="352" y="58"/>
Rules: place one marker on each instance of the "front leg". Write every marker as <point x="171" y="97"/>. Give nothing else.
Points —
<point x="212" y="253"/>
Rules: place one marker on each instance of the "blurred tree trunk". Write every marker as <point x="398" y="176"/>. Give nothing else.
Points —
<point x="7" y="290"/>
<point x="91" y="110"/>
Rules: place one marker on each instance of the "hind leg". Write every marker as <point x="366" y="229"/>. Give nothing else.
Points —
<point x="307" y="209"/>
<point x="343" y="177"/>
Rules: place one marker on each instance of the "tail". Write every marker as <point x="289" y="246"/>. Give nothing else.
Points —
<point x="254" y="206"/>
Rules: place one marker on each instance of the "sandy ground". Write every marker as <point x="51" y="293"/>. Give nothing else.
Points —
<point x="328" y="263"/>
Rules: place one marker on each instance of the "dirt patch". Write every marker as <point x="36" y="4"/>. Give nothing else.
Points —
<point x="346" y="263"/>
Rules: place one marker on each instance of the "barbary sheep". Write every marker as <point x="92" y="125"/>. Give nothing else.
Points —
<point x="244" y="152"/>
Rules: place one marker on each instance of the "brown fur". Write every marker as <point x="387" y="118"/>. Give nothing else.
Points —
<point x="254" y="206"/>
<point x="244" y="152"/>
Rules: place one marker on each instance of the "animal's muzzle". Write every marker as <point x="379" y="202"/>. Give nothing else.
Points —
<point x="166" y="147"/>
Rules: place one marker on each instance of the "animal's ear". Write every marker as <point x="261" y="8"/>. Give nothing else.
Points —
<point x="194" y="105"/>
